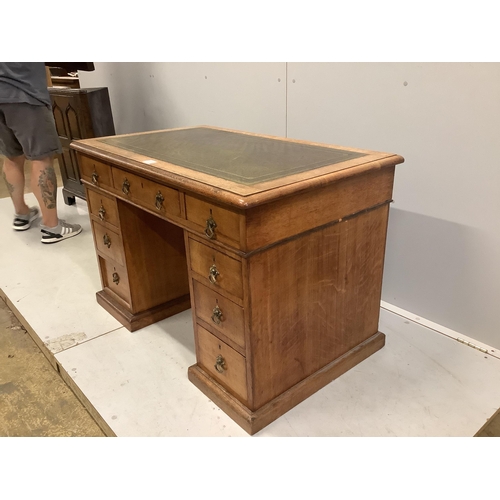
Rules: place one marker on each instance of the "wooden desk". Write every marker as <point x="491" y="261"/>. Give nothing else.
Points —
<point x="276" y="245"/>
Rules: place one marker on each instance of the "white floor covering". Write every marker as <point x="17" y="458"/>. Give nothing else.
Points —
<point x="420" y="384"/>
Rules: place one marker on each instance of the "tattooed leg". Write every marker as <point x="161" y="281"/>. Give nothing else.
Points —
<point x="13" y="174"/>
<point x="10" y="187"/>
<point x="47" y="182"/>
<point x="44" y="186"/>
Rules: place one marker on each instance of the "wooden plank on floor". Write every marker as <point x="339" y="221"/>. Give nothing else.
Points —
<point x="34" y="400"/>
<point x="491" y="428"/>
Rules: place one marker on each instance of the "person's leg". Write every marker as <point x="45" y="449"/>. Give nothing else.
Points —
<point x="13" y="174"/>
<point x="44" y="187"/>
<point x="34" y="131"/>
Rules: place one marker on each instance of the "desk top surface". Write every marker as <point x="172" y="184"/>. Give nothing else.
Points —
<point x="240" y="164"/>
<point x="240" y="158"/>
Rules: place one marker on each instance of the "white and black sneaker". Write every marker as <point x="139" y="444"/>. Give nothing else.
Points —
<point x="23" y="222"/>
<point x="62" y="231"/>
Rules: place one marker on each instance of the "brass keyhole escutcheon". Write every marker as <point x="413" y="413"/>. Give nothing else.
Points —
<point x="95" y="178"/>
<point x="159" y="199"/>
<point x="216" y="315"/>
<point x="210" y="228"/>
<point x="126" y="186"/>
<point x="220" y="364"/>
<point x="116" y="278"/>
<point x="106" y="240"/>
<point x="212" y="274"/>
<point x="102" y="213"/>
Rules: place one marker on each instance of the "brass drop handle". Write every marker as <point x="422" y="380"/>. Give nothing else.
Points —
<point x="220" y="364"/>
<point x="116" y="278"/>
<point x="212" y="274"/>
<point x="210" y="228"/>
<point x="216" y="315"/>
<point x="126" y="186"/>
<point x="102" y="213"/>
<point x="159" y="199"/>
<point x="95" y="178"/>
<point x="106" y="240"/>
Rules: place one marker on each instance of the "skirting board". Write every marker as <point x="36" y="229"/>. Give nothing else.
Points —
<point x="464" y="339"/>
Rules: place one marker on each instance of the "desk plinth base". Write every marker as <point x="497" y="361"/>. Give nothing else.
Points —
<point x="135" y="322"/>
<point x="254" y="421"/>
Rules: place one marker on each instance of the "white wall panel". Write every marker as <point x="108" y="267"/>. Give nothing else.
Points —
<point x="443" y="249"/>
<point x="148" y="96"/>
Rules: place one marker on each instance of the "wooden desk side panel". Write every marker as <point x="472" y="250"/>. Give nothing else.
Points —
<point x="313" y="299"/>
<point x="155" y="257"/>
<point x="294" y="215"/>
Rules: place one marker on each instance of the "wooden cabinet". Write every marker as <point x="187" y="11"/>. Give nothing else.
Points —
<point x="78" y="114"/>
<point x="277" y="246"/>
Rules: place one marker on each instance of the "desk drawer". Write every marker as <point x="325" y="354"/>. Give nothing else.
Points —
<point x="214" y="222"/>
<point x="95" y="172"/>
<point x="223" y="314"/>
<point x="115" y="278"/>
<point x="220" y="270"/>
<point x="108" y="243"/>
<point x="149" y="194"/>
<point x="231" y="372"/>
<point x="102" y="206"/>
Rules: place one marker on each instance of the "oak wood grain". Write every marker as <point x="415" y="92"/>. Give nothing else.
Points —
<point x="313" y="299"/>
<point x="229" y="277"/>
<point x="115" y="279"/>
<point x="228" y="221"/>
<point x="109" y="242"/>
<point x="144" y="192"/>
<point x="102" y="207"/>
<point x="291" y="216"/>
<point x="231" y="323"/>
<point x="155" y="255"/>
<point x="233" y="374"/>
<point x="102" y="171"/>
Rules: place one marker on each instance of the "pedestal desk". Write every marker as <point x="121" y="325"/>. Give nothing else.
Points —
<point x="277" y="246"/>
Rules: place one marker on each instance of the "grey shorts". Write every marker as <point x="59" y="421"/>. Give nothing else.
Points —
<point x="29" y="130"/>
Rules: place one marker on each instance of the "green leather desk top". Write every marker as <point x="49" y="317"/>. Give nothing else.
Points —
<point x="233" y="156"/>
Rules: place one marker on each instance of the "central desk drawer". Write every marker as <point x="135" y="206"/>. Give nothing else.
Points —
<point x="108" y="243"/>
<point x="148" y="194"/>
<point x="220" y="270"/>
<point x="222" y="362"/>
